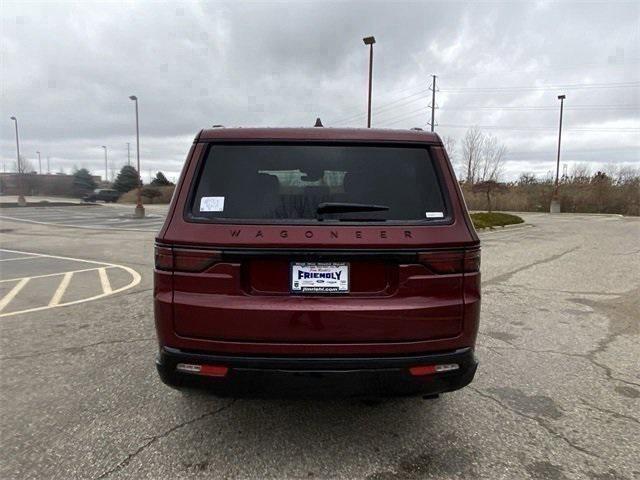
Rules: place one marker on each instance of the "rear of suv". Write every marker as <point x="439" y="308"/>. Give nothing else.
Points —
<point x="320" y="260"/>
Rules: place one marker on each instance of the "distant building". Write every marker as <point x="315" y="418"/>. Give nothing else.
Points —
<point x="35" y="184"/>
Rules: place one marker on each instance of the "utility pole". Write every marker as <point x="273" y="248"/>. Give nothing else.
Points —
<point x="433" y="103"/>
<point x="21" y="200"/>
<point x="128" y="154"/>
<point x="39" y="163"/>
<point x="106" y="168"/>
<point x="48" y="166"/>
<point x="139" y="211"/>
<point x="555" y="201"/>
<point x="369" y="41"/>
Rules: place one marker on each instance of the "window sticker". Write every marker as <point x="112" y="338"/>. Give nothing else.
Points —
<point x="212" y="204"/>
<point x="434" y="214"/>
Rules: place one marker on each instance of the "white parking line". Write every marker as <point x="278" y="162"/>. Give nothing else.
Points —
<point x="55" y="300"/>
<point x="88" y="227"/>
<point x="12" y="293"/>
<point x="18" y="258"/>
<point x="104" y="280"/>
<point x="56" y="274"/>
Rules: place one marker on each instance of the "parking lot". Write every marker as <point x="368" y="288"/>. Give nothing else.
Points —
<point x="31" y="281"/>
<point x="557" y="394"/>
<point x="113" y="217"/>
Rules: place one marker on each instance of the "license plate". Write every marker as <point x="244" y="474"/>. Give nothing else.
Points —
<point x="307" y="277"/>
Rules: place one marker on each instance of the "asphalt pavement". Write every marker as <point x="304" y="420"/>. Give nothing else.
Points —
<point x="89" y="216"/>
<point x="557" y="394"/>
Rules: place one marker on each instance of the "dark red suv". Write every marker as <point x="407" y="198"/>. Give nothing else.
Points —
<point x="318" y="260"/>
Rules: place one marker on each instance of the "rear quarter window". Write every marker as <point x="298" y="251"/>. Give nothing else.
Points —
<point x="286" y="183"/>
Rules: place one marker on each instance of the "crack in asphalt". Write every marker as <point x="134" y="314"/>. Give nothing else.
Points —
<point x="569" y="292"/>
<point x="633" y="252"/>
<point x="538" y="421"/>
<point x="164" y="434"/>
<point x="507" y="276"/>
<point x="76" y="348"/>
<point x="134" y="292"/>
<point x="503" y="340"/>
<point x="614" y="414"/>
<point x="621" y="306"/>
<point x="585" y="356"/>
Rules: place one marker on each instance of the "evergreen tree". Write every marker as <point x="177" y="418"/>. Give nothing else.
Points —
<point x="83" y="182"/>
<point x="127" y="179"/>
<point x="161" y="181"/>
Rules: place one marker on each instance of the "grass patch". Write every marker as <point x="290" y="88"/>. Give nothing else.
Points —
<point x="494" y="219"/>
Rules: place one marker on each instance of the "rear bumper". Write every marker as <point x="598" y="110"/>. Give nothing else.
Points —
<point x="332" y="376"/>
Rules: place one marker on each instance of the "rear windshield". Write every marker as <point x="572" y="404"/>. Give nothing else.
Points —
<point x="277" y="183"/>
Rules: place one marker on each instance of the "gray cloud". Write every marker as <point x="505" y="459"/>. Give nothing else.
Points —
<point x="68" y="68"/>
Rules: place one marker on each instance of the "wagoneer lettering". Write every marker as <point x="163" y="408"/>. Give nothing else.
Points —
<point x="327" y="235"/>
<point x="306" y="255"/>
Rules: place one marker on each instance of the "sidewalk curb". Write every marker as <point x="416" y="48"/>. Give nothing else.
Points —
<point x="503" y="228"/>
<point x="45" y="204"/>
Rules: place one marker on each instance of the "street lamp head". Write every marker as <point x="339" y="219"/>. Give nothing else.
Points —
<point x="103" y="146"/>
<point x="133" y="97"/>
<point x="561" y="97"/>
<point x="13" y="118"/>
<point x="369" y="40"/>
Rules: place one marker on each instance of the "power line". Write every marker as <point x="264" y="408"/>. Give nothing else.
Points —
<point x="540" y="128"/>
<point x="554" y="108"/>
<point x="404" y="116"/>
<point x="579" y="150"/>
<point x="382" y="108"/>
<point x="409" y="99"/>
<point x="576" y="66"/>
<point x="407" y="115"/>
<point x="573" y="86"/>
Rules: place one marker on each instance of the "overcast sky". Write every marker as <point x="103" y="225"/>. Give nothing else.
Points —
<point x="67" y="70"/>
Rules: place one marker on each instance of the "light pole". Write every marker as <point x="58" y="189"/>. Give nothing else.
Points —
<point x="139" y="212"/>
<point x="39" y="163"/>
<point x="48" y="166"/>
<point x="106" y="167"/>
<point x="369" y="41"/>
<point x="555" y="201"/>
<point x="21" y="200"/>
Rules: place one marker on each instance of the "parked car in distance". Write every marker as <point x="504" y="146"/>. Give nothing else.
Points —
<point x="102" y="194"/>
<point x="317" y="260"/>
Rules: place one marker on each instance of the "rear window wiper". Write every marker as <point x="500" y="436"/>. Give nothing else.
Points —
<point x="345" y="207"/>
<point x="345" y="219"/>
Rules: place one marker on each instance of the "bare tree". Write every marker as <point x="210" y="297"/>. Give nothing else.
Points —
<point x="25" y="165"/>
<point x="472" y="143"/>
<point x="450" y="147"/>
<point x="581" y="173"/>
<point x="611" y="169"/>
<point x="491" y="162"/>
<point x="627" y="175"/>
<point x="489" y="188"/>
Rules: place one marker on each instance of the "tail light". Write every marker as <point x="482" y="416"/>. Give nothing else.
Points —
<point x="206" y="370"/>
<point x="185" y="260"/>
<point x="451" y="261"/>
